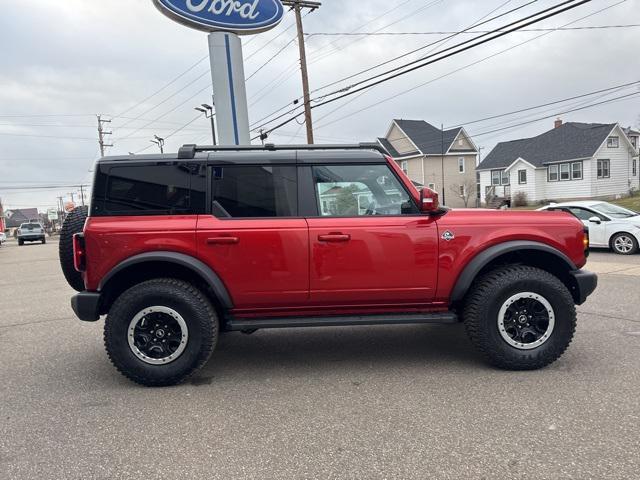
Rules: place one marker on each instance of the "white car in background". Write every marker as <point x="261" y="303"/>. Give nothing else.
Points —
<point x="3" y="238"/>
<point x="610" y="226"/>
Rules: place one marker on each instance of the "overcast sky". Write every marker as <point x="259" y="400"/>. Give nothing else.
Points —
<point x="69" y="60"/>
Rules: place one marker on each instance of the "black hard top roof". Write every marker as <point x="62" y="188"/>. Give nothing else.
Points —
<point x="267" y="154"/>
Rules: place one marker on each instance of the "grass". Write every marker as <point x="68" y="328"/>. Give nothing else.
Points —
<point x="632" y="203"/>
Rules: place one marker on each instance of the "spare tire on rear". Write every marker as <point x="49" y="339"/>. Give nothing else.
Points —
<point x="74" y="223"/>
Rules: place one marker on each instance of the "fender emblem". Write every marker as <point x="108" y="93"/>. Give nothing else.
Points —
<point x="448" y="236"/>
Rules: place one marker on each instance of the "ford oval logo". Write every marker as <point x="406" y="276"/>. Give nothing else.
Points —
<point x="238" y="16"/>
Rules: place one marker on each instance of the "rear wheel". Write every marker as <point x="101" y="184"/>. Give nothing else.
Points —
<point x="44" y="240"/>
<point x="160" y="332"/>
<point x="624" y="244"/>
<point x="520" y="318"/>
<point x="74" y="223"/>
<point x="21" y="242"/>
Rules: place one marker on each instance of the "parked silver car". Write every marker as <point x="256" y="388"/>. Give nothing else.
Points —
<point x="31" y="232"/>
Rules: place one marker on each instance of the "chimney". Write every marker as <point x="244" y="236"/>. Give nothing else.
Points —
<point x="558" y="123"/>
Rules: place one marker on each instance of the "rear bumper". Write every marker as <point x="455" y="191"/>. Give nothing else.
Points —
<point x="86" y="306"/>
<point x="31" y="238"/>
<point x="585" y="284"/>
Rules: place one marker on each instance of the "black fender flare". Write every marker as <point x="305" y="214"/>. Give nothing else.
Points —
<point x="482" y="259"/>
<point x="193" y="264"/>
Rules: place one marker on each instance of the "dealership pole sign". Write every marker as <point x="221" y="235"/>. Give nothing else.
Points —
<point x="224" y="20"/>
<point x="237" y="16"/>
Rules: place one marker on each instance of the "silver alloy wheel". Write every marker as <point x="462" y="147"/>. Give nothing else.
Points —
<point x="623" y="244"/>
<point x="158" y="335"/>
<point x="526" y="320"/>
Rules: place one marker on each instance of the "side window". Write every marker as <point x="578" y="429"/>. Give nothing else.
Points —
<point x="358" y="190"/>
<point x="241" y="191"/>
<point x="145" y="190"/>
<point x="584" y="214"/>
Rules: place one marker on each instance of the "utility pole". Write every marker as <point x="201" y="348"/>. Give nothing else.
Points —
<point x="73" y="197"/>
<point x="444" y="197"/>
<point x="210" y="114"/>
<point x="159" y="141"/>
<point x="297" y="6"/>
<point x="102" y="134"/>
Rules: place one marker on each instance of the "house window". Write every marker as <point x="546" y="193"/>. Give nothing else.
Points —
<point x="463" y="190"/>
<point x="635" y="167"/>
<point x="461" y="165"/>
<point x="564" y="171"/>
<point x="613" y="142"/>
<point x="405" y="167"/>
<point x="495" y="177"/>
<point x="576" y="171"/>
<point x="505" y="178"/>
<point x="604" y="169"/>
<point x="522" y="177"/>
<point x="553" y="173"/>
<point x="634" y="141"/>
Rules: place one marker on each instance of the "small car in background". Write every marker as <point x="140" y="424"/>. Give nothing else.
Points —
<point x="3" y="238"/>
<point x="610" y="226"/>
<point x="31" y="232"/>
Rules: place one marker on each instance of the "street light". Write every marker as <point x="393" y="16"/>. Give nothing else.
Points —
<point x="159" y="141"/>
<point x="210" y="114"/>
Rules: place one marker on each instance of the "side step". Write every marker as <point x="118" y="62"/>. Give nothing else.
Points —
<point x="297" y="322"/>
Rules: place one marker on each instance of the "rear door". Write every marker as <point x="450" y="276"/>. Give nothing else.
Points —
<point x="369" y="244"/>
<point x="253" y="238"/>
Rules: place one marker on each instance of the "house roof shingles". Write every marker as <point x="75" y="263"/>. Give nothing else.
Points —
<point x="427" y="137"/>
<point x="567" y="142"/>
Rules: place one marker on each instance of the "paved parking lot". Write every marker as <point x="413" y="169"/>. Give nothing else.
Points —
<point x="381" y="402"/>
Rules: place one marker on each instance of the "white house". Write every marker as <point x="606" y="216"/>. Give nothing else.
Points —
<point x="572" y="161"/>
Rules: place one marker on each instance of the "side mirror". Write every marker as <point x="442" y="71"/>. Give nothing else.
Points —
<point x="429" y="201"/>
<point x="595" y="220"/>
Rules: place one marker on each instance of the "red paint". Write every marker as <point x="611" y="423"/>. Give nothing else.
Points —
<point x="329" y="266"/>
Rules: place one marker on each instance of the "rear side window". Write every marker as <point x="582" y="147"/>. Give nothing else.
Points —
<point x="241" y="191"/>
<point x="163" y="189"/>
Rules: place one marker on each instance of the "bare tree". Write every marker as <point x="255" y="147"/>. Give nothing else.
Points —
<point x="466" y="191"/>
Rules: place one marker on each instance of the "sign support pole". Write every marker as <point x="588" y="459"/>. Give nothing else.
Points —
<point x="229" y="89"/>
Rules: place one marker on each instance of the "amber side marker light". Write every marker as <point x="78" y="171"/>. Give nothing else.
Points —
<point x="585" y="242"/>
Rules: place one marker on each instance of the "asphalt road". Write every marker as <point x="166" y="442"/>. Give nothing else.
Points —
<point x="353" y="403"/>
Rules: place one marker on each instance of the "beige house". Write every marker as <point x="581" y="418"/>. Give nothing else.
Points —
<point x="421" y="150"/>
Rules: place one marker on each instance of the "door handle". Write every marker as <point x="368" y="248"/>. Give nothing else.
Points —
<point x="334" y="238"/>
<point x="223" y="241"/>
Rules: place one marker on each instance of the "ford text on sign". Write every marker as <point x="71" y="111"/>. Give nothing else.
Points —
<point x="239" y="16"/>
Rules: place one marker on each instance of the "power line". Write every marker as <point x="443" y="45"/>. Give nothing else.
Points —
<point x="389" y="34"/>
<point x="469" y="65"/>
<point x="482" y="21"/>
<point x="529" y="20"/>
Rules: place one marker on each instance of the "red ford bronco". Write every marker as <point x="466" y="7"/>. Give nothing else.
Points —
<point x="178" y="248"/>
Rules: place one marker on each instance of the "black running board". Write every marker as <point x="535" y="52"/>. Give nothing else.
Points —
<point x="298" y="322"/>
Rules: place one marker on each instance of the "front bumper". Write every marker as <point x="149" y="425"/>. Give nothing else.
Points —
<point x="86" y="306"/>
<point x="585" y="283"/>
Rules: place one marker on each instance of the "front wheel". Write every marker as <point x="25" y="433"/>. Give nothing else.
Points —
<point x="520" y="317"/>
<point x="624" y="244"/>
<point x="160" y="332"/>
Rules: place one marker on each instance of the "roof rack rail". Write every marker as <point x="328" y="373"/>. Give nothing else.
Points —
<point x="189" y="151"/>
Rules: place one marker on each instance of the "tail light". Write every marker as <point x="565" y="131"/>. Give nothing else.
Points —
<point x="79" y="252"/>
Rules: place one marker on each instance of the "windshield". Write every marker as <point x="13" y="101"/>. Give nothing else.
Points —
<point x="614" y="211"/>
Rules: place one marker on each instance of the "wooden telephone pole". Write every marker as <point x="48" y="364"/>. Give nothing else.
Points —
<point x="297" y="6"/>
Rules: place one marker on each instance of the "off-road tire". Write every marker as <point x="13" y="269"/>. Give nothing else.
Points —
<point x="44" y="240"/>
<point x="20" y="243"/>
<point x="634" y="242"/>
<point x="184" y="298"/>
<point x="482" y="307"/>
<point x="74" y="223"/>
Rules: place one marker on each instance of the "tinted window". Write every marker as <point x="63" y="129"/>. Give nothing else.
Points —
<point x="146" y="190"/>
<point x="357" y="190"/>
<point x="584" y="214"/>
<point x="254" y="191"/>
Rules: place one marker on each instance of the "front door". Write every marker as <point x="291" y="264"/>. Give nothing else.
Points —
<point x="369" y="244"/>
<point x="253" y="239"/>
